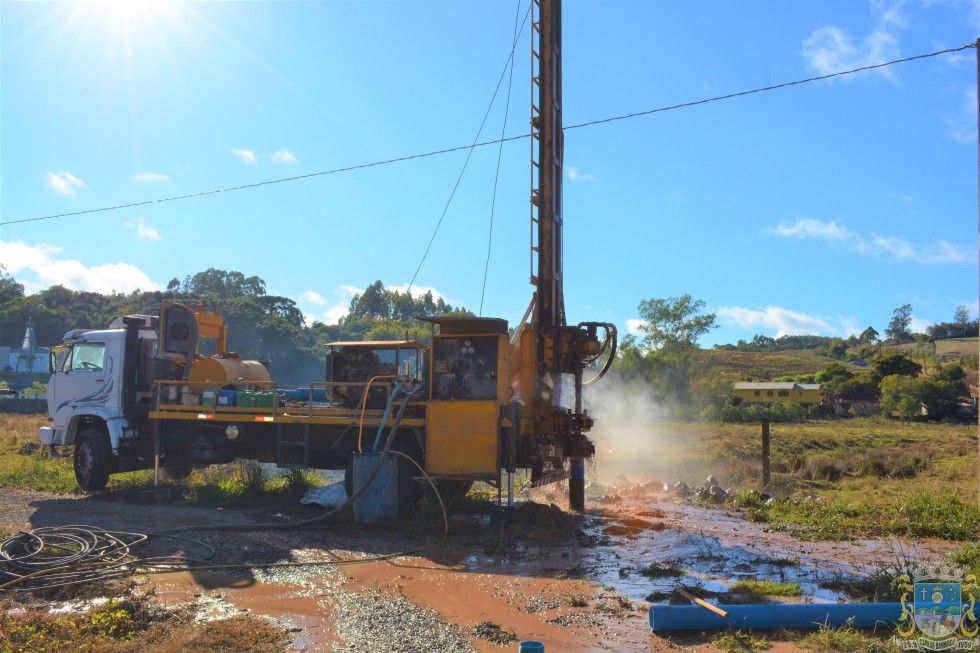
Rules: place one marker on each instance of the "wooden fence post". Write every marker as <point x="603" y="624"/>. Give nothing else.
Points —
<point x="766" y="461"/>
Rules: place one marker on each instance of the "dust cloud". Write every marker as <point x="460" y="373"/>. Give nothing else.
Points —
<point x="634" y="436"/>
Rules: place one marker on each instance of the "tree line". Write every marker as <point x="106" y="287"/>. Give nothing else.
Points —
<point x="665" y="356"/>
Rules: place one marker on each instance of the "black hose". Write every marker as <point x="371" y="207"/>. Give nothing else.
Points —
<point x="611" y="338"/>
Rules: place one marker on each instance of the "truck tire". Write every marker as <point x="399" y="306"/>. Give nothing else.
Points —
<point x="93" y="460"/>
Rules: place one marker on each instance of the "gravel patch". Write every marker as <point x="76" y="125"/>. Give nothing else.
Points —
<point x="494" y="633"/>
<point x="214" y="608"/>
<point x="535" y="604"/>
<point x="576" y="619"/>
<point x="313" y="580"/>
<point x="373" y="621"/>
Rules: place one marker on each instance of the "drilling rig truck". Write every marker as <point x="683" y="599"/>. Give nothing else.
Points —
<point x="475" y="400"/>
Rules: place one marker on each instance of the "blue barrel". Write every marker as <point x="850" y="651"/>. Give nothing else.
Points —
<point x="530" y="646"/>
<point x="380" y="499"/>
<point x="667" y="618"/>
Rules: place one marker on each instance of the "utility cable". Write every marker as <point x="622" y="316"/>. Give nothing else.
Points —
<point x="764" y="89"/>
<point x="508" y="139"/>
<point x="500" y="152"/>
<point x="469" y="154"/>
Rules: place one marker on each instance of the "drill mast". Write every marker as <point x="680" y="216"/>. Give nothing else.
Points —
<point x="558" y="427"/>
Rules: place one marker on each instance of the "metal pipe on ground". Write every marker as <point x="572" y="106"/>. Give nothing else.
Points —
<point x="806" y="616"/>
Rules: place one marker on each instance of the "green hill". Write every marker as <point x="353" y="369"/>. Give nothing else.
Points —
<point x="759" y="365"/>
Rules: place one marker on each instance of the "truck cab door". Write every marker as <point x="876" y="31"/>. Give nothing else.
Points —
<point x="84" y="380"/>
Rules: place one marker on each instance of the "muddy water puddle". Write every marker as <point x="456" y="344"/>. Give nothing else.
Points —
<point x="214" y="595"/>
<point x="711" y="549"/>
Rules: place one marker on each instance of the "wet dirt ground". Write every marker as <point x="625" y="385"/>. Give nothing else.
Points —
<point x="574" y="585"/>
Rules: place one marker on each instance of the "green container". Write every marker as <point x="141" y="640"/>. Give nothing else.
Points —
<point x="252" y="399"/>
<point x="264" y="400"/>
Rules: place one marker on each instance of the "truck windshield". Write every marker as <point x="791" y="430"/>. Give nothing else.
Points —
<point x="88" y="356"/>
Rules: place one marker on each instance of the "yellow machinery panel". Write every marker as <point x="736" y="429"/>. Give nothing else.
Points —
<point x="461" y="438"/>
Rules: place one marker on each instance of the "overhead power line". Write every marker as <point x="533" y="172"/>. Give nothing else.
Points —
<point x="476" y="139"/>
<point x="496" y="175"/>
<point x="458" y="148"/>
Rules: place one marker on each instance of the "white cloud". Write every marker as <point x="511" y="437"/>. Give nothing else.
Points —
<point x="918" y="325"/>
<point x="811" y="228"/>
<point x="782" y="321"/>
<point x="313" y="297"/>
<point x="343" y="295"/>
<point x="248" y="157"/>
<point x="283" y="155"/>
<point x="633" y="326"/>
<point x="830" y="49"/>
<point x="574" y="174"/>
<point x="63" y="183"/>
<point x="419" y="291"/>
<point x="961" y="126"/>
<point x="935" y="252"/>
<point x="143" y="229"/>
<point x="40" y="266"/>
<point x="150" y="178"/>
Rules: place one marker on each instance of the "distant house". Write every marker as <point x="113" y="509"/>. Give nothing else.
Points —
<point x="754" y="392"/>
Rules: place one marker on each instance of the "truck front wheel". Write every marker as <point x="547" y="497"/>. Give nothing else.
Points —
<point x="93" y="460"/>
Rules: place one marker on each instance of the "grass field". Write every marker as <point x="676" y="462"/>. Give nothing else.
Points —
<point x="23" y="465"/>
<point x="831" y="478"/>
<point x="759" y="365"/>
<point x="947" y="348"/>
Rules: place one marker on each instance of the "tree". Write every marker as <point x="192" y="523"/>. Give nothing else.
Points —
<point x="899" y="326"/>
<point x="896" y="364"/>
<point x="900" y="394"/>
<point x="838" y="350"/>
<point x="961" y="316"/>
<point x="869" y="336"/>
<point x="674" y="323"/>
<point x="9" y="288"/>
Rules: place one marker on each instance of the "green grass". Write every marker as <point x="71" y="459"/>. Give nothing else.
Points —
<point x="739" y="641"/>
<point x="968" y="557"/>
<point x="832" y="479"/>
<point x="232" y="485"/>
<point x="767" y="587"/>
<point x="577" y="600"/>
<point x="941" y="515"/>
<point x="845" y="639"/>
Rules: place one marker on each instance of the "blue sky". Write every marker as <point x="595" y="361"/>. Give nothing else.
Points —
<point x="815" y="209"/>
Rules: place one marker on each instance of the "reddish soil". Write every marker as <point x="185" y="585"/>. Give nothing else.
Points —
<point x="525" y="577"/>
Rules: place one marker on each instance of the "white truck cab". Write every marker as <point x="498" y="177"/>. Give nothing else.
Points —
<point x="85" y="392"/>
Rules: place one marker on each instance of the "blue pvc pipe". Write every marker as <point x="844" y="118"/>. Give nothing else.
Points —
<point x="303" y="394"/>
<point x="530" y="646"/>
<point x="666" y="618"/>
